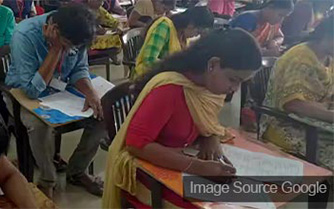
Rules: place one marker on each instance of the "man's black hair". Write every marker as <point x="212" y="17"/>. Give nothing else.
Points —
<point x="76" y="23"/>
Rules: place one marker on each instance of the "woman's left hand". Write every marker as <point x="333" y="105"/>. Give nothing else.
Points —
<point x="210" y="148"/>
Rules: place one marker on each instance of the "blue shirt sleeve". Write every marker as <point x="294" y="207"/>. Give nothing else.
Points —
<point x="81" y="69"/>
<point x="246" y="21"/>
<point x="25" y="62"/>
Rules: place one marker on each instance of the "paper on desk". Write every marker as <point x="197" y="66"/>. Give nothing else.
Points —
<point x="249" y="163"/>
<point x="102" y="86"/>
<point x="67" y="103"/>
<point x="257" y="205"/>
<point x="263" y="199"/>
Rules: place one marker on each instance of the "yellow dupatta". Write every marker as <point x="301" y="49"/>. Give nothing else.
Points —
<point x="204" y="107"/>
<point x="174" y="44"/>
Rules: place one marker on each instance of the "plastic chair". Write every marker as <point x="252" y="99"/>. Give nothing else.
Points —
<point x="132" y="43"/>
<point x="116" y="105"/>
<point x="259" y="83"/>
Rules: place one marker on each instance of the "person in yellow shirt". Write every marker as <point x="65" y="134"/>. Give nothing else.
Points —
<point x="145" y="11"/>
<point x="302" y="83"/>
<point x="169" y="35"/>
<point x="107" y="30"/>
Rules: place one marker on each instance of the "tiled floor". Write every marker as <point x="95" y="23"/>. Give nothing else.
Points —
<point x="69" y="196"/>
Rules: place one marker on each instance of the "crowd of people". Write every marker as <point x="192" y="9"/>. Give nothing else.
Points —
<point x="181" y="86"/>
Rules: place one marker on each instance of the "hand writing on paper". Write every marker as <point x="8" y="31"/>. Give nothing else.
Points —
<point x="94" y="102"/>
<point x="215" y="168"/>
<point x="210" y="148"/>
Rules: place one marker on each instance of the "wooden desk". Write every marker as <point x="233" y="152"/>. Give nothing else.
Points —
<point x="30" y="105"/>
<point x="25" y="158"/>
<point x="173" y="179"/>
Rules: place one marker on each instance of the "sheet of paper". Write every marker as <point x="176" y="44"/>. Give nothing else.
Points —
<point x="67" y="103"/>
<point x="249" y="163"/>
<point x="102" y="86"/>
<point x="258" y="205"/>
<point x="264" y="200"/>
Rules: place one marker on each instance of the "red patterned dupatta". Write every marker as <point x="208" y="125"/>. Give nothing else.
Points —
<point x="265" y="33"/>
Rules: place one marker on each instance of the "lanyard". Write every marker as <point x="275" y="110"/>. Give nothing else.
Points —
<point x="60" y="64"/>
<point x="20" y="7"/>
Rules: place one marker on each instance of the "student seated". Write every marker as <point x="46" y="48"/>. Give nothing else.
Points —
<point x="12" y="183"/>
<point x="297" y="25"/>
<point x="302" y="83"/>
<point x="48" y="47"/>
<point x="222" y="8"/>
<point x="166" y="36"/>
<point x="145" y="11"/>
<point x="22" y="8"/>
<point x="265" y="24"/>
<point x="105" y="22"/>
<point x="178" y="107"/>
<point x="7" y="24"/>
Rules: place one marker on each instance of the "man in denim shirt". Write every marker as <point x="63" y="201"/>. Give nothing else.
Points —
<point x="53" y="47"/>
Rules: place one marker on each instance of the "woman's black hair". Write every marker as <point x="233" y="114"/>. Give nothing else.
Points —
<point x="199" y="17"/>
<point x="236" y="48"/>
<point x="278" y="4"/>
<point x="76" y="22"/>
<point x="324" y="30"/>
<point x="4" y="137"/>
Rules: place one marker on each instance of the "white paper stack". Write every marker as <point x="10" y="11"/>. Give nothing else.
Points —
<point x="71" y="104"/>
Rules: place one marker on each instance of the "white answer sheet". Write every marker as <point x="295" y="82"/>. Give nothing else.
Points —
<point x="71" y="104"/>
<point x="249" y="163"/>
<point x="102" y="86"/>
<point x="67" y="103"/>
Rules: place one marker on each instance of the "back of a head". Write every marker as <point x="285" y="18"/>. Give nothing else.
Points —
<point x="236" y="48"/>
<point x="279" y="4"/>
<point x="199" y="17"/>
<point x="76" y="23"/>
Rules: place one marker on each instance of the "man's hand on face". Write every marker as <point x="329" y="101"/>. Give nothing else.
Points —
<point x="52" y="35"/>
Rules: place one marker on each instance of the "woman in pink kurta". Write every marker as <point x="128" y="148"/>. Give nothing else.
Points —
<point x="222" y="7"/>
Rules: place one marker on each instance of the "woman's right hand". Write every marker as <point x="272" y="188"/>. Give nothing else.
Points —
<point x="212" y="168"/>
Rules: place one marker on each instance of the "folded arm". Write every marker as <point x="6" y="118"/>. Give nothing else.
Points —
<point x="310" y="109"/>
<point x="33" y="76"/>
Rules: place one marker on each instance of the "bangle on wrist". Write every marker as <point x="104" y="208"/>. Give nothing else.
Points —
<point x="189" y="165"/>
